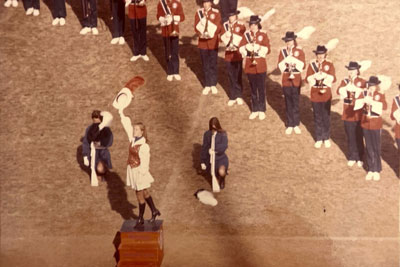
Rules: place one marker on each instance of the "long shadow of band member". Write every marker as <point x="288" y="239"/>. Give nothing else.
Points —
<point x="215" y="141"/>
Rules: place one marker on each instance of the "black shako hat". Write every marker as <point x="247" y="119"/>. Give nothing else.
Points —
<point x="289" y="36"/>
<point x="233" y="13"/>
<point x="353" y="66"/>
<point x="373" y="80"/>
<point x="321" y="49"/>
<point x="203" y="1"/>
<point x="254" y="20"/>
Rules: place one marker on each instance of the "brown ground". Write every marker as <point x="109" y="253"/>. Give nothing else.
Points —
<point x="272" y="211"/>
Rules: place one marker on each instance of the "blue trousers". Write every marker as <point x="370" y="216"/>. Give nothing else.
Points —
<point x="209" y="61"/>
<point x="171" y="45"/>
<point x="59" y="10"/>
<point x="91" y="20"/>
<point x="373" y="145"/>
<point x="292" y="106"/>
<point x="234" y="70"/>
<point x="139" y="30"/>
<point x="118" y="18"/>
<point x="322" y="120"/>
<point x="32" y="3"/>
<point x="257" y="85"/>
<point x="355" y="141"/>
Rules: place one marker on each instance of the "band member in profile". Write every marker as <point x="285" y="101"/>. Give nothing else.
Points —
<point x="227" y="7"/>
<point x="232" y="33"/>
<point x="395" y="115"/>
<point x="291" y="61"/>
<point x="89" y="22"/>
<point x="254" y="48"/>
<point x="118" y="21"/>
<point x="59" y="13"/>
<point x="207" y="24"/>
<point x="170" y="14"/>
<point x="215" y="141"/>
<point x="349" y="90"/>
<point x="373" y="102"/>
<point x="320" y="76"/>
<point x="138" y="18"/>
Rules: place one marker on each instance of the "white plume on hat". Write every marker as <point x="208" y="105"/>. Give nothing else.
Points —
<point x="206" y="197"/>
<point x="306" y="32"/>
<point x="386" y="82"/>
<point x="245" y="12"/>
<point x="268" y="15"/>
<point x="365" y="64"/>
<point x="107" y="118"/>
<point x="332" y="44"/>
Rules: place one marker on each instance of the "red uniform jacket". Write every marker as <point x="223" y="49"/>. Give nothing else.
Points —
<point x="137" y="12"/>
<point x="328" y="70"/>
<point x="370" y="120"/>
<point x="214" y="16"/>
<point x="238" y="29"/>
<point x="297" y="57"/>
<point x="349" y="114"/>
<point x="173" y="8"/>
<point x="255" y="46"/>
<point x="395" y="106"/>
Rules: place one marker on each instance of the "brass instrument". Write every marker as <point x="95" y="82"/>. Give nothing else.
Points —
<point x="231" y="46"/>
<point x="205" y="34"/>
<point x="291" y="66"/>
<point x="320" y="83"/>
<point x="253" y="54"/>
<point x="174" y="33"/>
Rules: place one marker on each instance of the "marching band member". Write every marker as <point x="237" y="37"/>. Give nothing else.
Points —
<point x="13" y="3"/>
<point x="232" y="33"/>
<point x="101" y="136"/>
<point x="291" y="62"/>
<point x="138" y="17"/>
<point x="207" y="24"/>
<point x="227" y="7"/>
<point x="320" y="75"/>
<point x="170" y="14"/>
<point x="254" y="47"/>
<point x="350" y="89"/>
<point x="89" y="22"/>
<point x="395" y="115"/>
<point x="32" y="6"/>
<point x="59" y="13"/>
<point x="215" y="141"/>
<point x="373" y="102"/>
<point x="118" y="20"/>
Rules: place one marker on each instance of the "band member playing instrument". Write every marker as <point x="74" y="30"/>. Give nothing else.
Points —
<point x="350" y="89"/>
<point x="89" y="22"/>
<point x="215" y="142"/>
<point x="254" y="48"/>
<point x="373" y="102"/>
<point x="138" y="18"/>
<point x="101" y="136"/>
<point x="170" y="14"/>
<point x="118" y="21"/>
<point x="32" y="6"/>
<point x="320" y="75"/>
<point x="291" y="62"/>
<point x="227" y="7"/>
<point x="59" y="13"/>
<point x="395" y="115"/>
<point x="232" y="33"/>
<point x="207" y="24"/>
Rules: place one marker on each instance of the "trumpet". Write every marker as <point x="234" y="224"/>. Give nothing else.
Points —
<point x="205" y="34"/>
<point x="231" y="46"/>
<point x="291" y="68"/>
<point x="174" y="33"/>
<point x="253" y="54"/>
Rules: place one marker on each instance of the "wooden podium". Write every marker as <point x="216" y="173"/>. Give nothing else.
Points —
<point x="142" y="246"/>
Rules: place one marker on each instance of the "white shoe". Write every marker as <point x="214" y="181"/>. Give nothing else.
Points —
<point x="206" y="90"/>
<point x="359" y="164"/>
<point x="253" y="115"/>
<point x="351" y="163"/>
<point x="177" y="77"/>
<point x="85" y="30"/>
<point x="369" y="176"/>
<point x="14" y="3"/>
<point x="134" y="58"/>
<point x="29" y="11"/>
<point x="121" y="40"/>
<point x="376" y="176"/>
<point x="36" y="12"/>
<point x="214" y="90"/>
<point x="231" y="103"/>
<point x="170" y="77"/>
<point x="327" y="143"/>
<point x="95" y="31"/>
<point x="8" y="3"/>
<point x="261" y="116"/>
<point x="239" y="101"/>
<point x="114" y="40"/>
<point x="55" y="21"/>
<point x="62" y="21"/>
<point x="318" y="144"/>
<point x="145" y="57"/>
<point x="297" y="130"/>
<point x="289" y="130"/>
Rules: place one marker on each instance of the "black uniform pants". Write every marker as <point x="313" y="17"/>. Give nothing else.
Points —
<point x="32" y="3"/>
<point x="373" y="145"/>
<point x="209" y="62"/>
<point x="139" y="30"/>
<point x="59" y="10"/>
<point x="322" y="120"/>
<point x="292" y="105"/>
<point x="355" y="141"/>
<point x="91" y="20"/>
<point x="234" y="69"/>
<point x="257" y="85"/>
<point x="171" y="45"/>
<point x="118" y="18"/>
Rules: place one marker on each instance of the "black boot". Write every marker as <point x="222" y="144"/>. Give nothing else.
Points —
<point x="154" y="211"/>
<point x="140" y="220"/>
<point x="222" y="182"/>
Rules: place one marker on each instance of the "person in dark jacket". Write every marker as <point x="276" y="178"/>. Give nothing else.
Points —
<point x="215" y="140"/>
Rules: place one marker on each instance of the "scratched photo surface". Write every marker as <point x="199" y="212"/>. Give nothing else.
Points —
<point x="285" y="202"/>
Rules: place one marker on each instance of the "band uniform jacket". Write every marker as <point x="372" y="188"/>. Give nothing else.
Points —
<point x="105" y="139"/>
<point x="232" y="33"/>
<point x="326" y="69"/>
<point x="135" y="11"/>
<point x="173" y="8"/>
<point x="369" y="119"/>
<point x="255" y="46"/>
<point x="221" y="144"/>
<point x="349" y="96"/>
<point x="297" y="59"/>
<point x="396" y="108"/>
<point x="214" y="17"/>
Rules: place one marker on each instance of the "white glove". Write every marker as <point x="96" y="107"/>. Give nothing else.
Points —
<point x="216" y="2"/>
<point x="203" y="166"/>
<point x="210" y="151"/>
<point x="368" y="100"/>
<point x="177" y="19"/>
<point x="256" y="47"/>
<point x="168" y="19"/>
<point x="86" y="161"/>
<point x="128" y="2"/>
<point x="162" y="21"/>
<point x="203" y="21"/>
<point x="101" y="126"/>
<point x="228" y="34"/>
<point x="249" y="47"/>
<point x="141" y="3"/>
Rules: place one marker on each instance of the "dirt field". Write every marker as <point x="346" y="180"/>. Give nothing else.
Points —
<point x="285" y="204"/>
